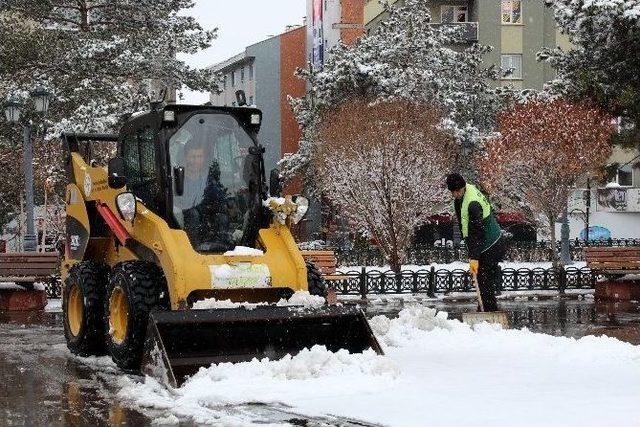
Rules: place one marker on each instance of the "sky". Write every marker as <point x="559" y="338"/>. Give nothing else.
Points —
<point x="240" y="23"/>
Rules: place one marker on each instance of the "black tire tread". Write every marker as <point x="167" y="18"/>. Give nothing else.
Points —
<point x="146" y="291"/>
<point x="91" y="278"/>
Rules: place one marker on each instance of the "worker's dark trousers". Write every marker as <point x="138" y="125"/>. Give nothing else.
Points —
<point x="490" y="274"/>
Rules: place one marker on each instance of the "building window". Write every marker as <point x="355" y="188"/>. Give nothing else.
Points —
<point x="512" y="63"/>
<point x="453" y="13"/>
<point x="224" y="84"/>
<point x="233" y="79"/>
<point x="511" y="12"/>
<point x="242" y="75"/>
<point x="250" y="72"/>
<point x="624" y="177"/>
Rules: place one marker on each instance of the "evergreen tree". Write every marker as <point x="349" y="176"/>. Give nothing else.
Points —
<point x="99" y="57"/>
<point x="602" y="64"/>
<point x="405" y="58"/>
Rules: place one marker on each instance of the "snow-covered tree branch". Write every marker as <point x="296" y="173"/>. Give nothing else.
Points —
<point x="404" y="58"/>
<point x="602" y="64"/>
<point x="385" y="171"/>
<point x="543" y="150"/>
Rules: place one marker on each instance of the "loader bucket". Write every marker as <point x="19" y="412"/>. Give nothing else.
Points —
<point x="179" y="343"/>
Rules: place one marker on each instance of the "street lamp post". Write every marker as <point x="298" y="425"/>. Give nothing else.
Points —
<point x="13" y="110"/>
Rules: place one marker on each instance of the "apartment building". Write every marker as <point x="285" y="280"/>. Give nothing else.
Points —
<point x="517" y="30"/>
<point x="330" y="22"/>
<point x="265" y="72"/>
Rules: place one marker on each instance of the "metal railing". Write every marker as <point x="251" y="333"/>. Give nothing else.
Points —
<point x="517" y="251"/>
<point x="430" y="281"/>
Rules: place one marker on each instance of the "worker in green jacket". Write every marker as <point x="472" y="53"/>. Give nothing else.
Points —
<point x="482" y="235"/>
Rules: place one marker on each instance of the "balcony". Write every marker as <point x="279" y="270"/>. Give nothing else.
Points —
<point x="469" y="32"/>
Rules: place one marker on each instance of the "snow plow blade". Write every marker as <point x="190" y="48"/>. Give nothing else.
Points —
<point x="179" y="343"/>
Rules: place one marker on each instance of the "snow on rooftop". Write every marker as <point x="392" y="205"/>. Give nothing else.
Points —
<point x="436" y="372"/>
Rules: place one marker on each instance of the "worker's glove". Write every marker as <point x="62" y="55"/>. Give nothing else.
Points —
<point x="474" y="264"/>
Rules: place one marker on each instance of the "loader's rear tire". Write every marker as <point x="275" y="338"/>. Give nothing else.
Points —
<point x="315" y="282"/>
<point x="135" y="289"/>
<point x="82" y="306"/>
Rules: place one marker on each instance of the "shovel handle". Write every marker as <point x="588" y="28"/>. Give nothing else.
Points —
<point x="478" y="294"/>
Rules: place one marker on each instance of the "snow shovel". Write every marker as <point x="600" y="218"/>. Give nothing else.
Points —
<point x="472" y="318"/>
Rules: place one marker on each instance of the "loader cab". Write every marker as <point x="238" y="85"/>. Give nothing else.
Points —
<point x="200" y="168"/>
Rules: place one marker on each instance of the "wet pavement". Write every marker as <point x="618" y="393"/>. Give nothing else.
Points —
<point x="44" y="385"/>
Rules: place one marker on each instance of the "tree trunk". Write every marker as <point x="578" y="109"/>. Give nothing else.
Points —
<point x="555" y="259"/>
<point x="84" y="17"/>
<point x="394" y="260"/>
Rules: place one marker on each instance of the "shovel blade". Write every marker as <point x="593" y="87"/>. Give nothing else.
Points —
<point x="494" y="317"/>
<point x="179" y="343"/>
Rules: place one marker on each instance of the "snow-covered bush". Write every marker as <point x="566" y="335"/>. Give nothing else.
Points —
<point x="385" y="170"/>
<point x="543" y="150"/>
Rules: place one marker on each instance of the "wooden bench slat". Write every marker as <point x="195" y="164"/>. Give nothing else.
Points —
<point x="608" y="253"/>
<point x="324" y="260"/>
<point x="8" y="271"/>
<point x="20" y="267"/>
<point x="623" y="271"/>
<point x="20" y="279"/>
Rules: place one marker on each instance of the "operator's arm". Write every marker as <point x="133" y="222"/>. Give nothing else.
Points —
<point x="475" y="239"/>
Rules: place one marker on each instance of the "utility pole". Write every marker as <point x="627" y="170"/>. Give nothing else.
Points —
<point x="30" y="240"/>
<point x="588" y="209"/>
<point x="565" y="256"/>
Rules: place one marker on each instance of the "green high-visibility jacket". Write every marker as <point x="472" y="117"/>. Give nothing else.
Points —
<point x="492" y="230"/>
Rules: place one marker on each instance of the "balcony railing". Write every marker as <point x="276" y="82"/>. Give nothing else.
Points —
<point x="469" y="32"/>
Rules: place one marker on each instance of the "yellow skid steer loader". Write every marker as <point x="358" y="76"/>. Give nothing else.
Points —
<point x="181" y="214"/>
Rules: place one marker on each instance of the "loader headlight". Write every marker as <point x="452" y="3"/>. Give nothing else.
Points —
<point x="126" y="203"/>
<point x="301" y="211"/>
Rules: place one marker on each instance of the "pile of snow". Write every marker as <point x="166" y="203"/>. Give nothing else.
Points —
<point x="16" y="287"/>
<point x="300" y="298"/>
<point x="244" y="251"/>
<point x="303" y="298"/>
<point x="459" y="265"/>
<point x="435" y="371"/>
<point x="212" y="303"/>
<point x="313" y="245"/>
<point x="54" y="305"/>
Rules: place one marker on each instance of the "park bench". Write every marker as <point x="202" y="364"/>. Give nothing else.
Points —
<point x="326" y="262"/>
<point x="613" y="261"/>
<point x="26" y="268"/>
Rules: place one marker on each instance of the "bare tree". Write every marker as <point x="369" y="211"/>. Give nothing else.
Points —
<point x="383" y="165"/>
<point x="543" y="151"/>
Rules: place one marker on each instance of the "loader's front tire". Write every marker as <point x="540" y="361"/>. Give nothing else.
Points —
<point x="315" y="282"/>
<point x="135" y="289"/>
<point x="82" y="307"/>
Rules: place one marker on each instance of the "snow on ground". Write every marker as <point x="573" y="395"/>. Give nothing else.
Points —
<point x="54" y="305"/>
<point x="435" y="372"/>
<point x="459" y="265"/>
<point x="464" y="296"/>
<point x="14" y="286"/>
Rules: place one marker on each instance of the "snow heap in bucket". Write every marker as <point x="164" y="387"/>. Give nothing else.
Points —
<point x="436" y="372"/>
<point x="300" y="298"/>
